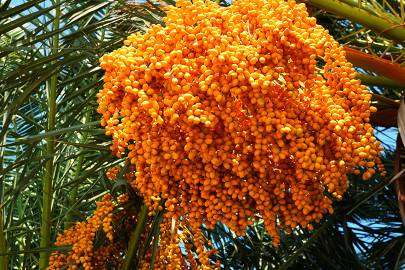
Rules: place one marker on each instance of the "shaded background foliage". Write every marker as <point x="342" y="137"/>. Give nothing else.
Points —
<point x="49" y="72"/>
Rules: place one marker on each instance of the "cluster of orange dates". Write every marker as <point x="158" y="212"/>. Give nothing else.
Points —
<point x="81" y="237"/>
<point x="233" y="113"/>
<point x="179" y="246"/>
<point x="225" y="114"/>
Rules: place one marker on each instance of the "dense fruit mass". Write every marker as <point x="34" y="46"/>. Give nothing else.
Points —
<point x="102" y="241"/>
<point x="81" y="238"/>
<point x="232" y="112"/>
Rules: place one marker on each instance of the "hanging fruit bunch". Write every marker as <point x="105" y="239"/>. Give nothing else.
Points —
<point x="238" y="112"/>
<point x="81" y="237"/>
<point x="101" y="241"/>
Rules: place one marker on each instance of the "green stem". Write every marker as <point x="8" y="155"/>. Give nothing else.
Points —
<point x="393" y="104"/>
<point x="372" y="9"/>
<point x="47" y="190"/>
<point x="3" y="243"/>
<point x="154" y="250"/>
<point x="155" y="233"/>
<point x="307" y="244"/>
<point x="363" y="43"/>
<point x="361" y="16"/>
<point x="72" y="197"/>
<point x="379" y="81"/>
<point x="135" y="238"/>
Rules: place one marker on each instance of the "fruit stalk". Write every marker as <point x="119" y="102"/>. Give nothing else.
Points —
<point x="135" y="238"/>
<point x="379" y="25"/>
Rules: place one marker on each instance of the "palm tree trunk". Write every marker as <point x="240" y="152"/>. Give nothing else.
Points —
<point x="50" y="143"/>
